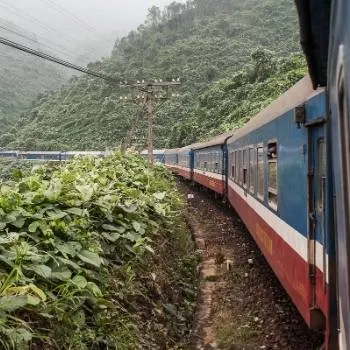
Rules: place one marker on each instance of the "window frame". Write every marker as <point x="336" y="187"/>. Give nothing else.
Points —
<point x="245" y="174"/>
<point x="233" y="165"/>
<point x="274" y="191"/>
<point x="261" y="194"/>
<point x="251" y="166"/>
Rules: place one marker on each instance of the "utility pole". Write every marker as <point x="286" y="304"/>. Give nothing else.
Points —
<point x="148" y="94"/>
<point x="149" y="102"/>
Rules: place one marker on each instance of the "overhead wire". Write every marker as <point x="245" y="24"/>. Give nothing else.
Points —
<point x="36" y="41"/>
<point x="65" y="12"/>
<point x="21" y="13"/>
<point x="64" y="63"/>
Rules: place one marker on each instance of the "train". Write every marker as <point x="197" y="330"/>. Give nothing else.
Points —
<point x="48" y="156"/>
<point x="158" y="155"/>
<point x="286" y="173"/>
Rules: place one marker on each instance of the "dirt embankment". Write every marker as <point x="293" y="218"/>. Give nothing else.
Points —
<point x="241" y="304"/>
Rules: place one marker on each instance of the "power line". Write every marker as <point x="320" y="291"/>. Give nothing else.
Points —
<point x="57" y="60"/>
<point x="37" y="42"/>
<point x="14" y="9"/>
<point x="65" y="12"/>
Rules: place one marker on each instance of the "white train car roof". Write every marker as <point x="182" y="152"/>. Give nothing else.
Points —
<point x="171" y="150"/>
<point x="39" y="152"/>
<point x="295" y="96"/>
<point x="82" y="153"/>
<point x="155" y="152"/>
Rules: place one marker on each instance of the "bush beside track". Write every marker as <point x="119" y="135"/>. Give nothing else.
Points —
<point x="95" y="254"/>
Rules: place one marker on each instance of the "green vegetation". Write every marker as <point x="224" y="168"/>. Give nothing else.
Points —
<point x="10" y="168"/>
<point x="218" y="49"/>
<point x="23" y="77"/>
<point x="94" y="255"/>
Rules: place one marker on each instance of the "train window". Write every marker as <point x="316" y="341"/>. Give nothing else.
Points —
<point x="233" y="165"/>
<point x="321" y="172"/>
<point x="236" y="166"/>
<point x="260" y="170"/>
<point x="239" y="166"/>
<point x="272" y="174"/>
<point x="245" y="168"/>
<point x="251" y="170"/>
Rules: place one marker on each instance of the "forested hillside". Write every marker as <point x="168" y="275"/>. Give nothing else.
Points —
<point x="23" y="77"/>
<point x="233" y="57"/>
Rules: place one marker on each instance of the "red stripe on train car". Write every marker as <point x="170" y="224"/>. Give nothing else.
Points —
<point x="209" y="182"/>
<point x="290" y="268"/>
<point x="184" y="173"/>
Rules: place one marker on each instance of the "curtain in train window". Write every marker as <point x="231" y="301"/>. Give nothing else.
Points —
<point x="240" y="166"/>
<point x="236" y="166"/>
<point x="272" y="174"/>
<point x="245" y="168"/>
<point x="260" y="170"/>
<point x="251" y="170"/>
<point x="233" y="165"/>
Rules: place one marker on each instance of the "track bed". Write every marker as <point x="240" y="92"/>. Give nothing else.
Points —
<point x="243" y="307"/>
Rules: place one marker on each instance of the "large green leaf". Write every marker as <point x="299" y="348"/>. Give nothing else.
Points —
<point x="76" y="211"/>
<point x="13" y="302"/>
<point x="90" y="258"/>
<point x="63" y="274"/>
<point x="160" y="195"/>
<point x="119" y="229"/>
<point x="41" y="270"/>
<point x="34" y="226"/>
<point x="111" y="236"/>
<point x="94" y="289"/>
<point x="80" y="281"/>
<point x="86" y="192"/>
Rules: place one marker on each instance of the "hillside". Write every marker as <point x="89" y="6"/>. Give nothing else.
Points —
<point x="233" y="57"/>
<point x="23" y="77"/>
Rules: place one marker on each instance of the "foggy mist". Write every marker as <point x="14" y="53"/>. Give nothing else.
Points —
<point x="96" y="21"/>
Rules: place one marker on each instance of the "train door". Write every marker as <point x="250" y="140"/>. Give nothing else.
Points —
<point x="317" y="254"/>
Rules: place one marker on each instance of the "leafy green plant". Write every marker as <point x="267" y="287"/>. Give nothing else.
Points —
<point x="72" y="242"/>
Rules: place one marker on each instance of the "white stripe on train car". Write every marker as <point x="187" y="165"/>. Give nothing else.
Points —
<point x="292" y="237"/>
<point x="209" y="174"/>
<point x="181" y="167"/>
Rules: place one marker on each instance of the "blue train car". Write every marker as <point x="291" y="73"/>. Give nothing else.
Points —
<point x="210" y="163"/>
<point x="8" y="154"/>
<point x="275" y="173"/>
<point x="185" y="162"/>
<point x="40" y="155"/>
<point x="277" y="183"/>
<point x="158" y="155"/>
<point x="171" y="157"/>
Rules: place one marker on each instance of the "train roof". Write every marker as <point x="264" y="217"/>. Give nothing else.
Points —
<point x="85" y="152"/>
<point x="39" y="152"/>
<point x="217" y="140"/>
<point x="171" y="150"/>
<point x="295" y="96"/>
<point x="189" y="147"/>
<point x="314" y="24"/>
<point x="155" y="151"/>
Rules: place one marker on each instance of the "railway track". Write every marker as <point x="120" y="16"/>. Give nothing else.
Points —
<point x="241" y="303"/>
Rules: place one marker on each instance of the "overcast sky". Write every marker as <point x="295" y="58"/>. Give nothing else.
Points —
<point x="102" y="16"/>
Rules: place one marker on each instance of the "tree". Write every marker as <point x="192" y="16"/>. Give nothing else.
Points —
<point x="154" y="16"/>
